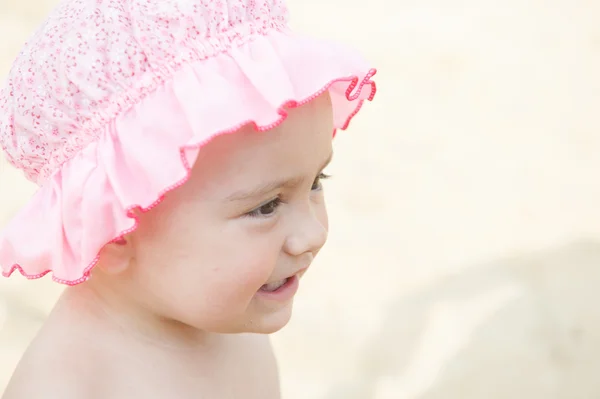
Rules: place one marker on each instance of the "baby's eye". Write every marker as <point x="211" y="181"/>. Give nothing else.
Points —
<point x="318" y="184"/>
<point x="265" y="210"/>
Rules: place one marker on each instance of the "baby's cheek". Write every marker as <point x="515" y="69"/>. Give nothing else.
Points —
<point x="257" y="268"/>
<point x="238" y="272"/>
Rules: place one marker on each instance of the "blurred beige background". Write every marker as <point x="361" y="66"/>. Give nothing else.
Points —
<point x="465" y="247"/>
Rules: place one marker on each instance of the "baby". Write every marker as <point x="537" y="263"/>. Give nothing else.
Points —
<point x="180" y="149"/>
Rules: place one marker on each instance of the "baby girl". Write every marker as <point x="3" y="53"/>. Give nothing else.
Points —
<point x="180" y="149"/>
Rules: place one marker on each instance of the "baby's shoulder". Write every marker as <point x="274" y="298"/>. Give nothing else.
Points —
<point x="51" y="370"/>
<point x="56" y="369"/>
<point x="46" y="380"/>
<point x="40" y="387"/>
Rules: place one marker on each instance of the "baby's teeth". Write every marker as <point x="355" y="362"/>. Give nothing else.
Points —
<point x="273" y="286"/>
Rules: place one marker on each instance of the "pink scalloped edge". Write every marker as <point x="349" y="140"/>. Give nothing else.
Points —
<point x="351" y="95"/>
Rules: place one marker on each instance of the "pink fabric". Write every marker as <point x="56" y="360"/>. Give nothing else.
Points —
<point x="104" y="139"/>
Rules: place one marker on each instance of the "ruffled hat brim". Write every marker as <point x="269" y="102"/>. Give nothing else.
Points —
<point x="148" y="150"/>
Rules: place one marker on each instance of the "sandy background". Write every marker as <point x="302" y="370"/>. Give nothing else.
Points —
<point x="465" y="247"/>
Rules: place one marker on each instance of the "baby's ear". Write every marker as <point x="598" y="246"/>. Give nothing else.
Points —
<point x="116" y="256"/>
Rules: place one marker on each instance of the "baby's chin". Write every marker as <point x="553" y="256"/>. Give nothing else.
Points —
<point x="272" y="323"/>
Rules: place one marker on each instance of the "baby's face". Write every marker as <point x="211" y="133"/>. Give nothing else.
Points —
<point x="252" y="214"/>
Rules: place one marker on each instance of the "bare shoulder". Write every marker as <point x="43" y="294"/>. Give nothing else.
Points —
<point x="38" y="379"/>
<point x="75" y="368"/>
<point x="25" y="386"/>
<point x="52" y="371"/>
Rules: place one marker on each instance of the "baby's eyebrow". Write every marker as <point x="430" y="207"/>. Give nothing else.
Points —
<point x="270" y="186"/>
<point x="263" y="189"/>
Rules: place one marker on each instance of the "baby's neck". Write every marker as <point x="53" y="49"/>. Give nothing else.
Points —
<point x="96" y="309"/>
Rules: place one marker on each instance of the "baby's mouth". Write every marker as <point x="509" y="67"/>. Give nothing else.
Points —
<point x="274" y="286"/>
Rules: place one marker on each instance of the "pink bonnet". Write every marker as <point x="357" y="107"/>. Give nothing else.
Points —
<point x="100" y="78"/>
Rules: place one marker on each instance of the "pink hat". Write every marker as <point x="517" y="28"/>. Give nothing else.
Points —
<point x="108" y="103"/>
